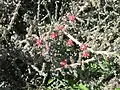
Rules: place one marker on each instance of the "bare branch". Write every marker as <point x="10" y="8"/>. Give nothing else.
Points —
<point x="12" y="19"/>
<point x="77" y="64"/>
<point x="37" y="70"/>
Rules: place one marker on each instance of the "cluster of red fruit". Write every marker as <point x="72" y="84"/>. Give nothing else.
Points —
<point x="85" y="54"/>
<point x="53" y="35"/>
<point x="69" y="42"/>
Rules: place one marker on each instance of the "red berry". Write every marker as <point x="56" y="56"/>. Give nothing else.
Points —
<point x="60" y="27"/>
<point x="63" y="63"/>
<point x="71" y="18"/>
<point x="53" y="35"/>
<point x="85" y="54"/>
<point x="83" y="47"/>
<point x="38" y="42"/>
<point x="69" y="42"/>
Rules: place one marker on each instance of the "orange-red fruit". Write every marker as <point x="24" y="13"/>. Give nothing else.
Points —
<point x="53" y="35"/>
<point x="71" y="18"/>
<point x="69" y="42"/>
<point x="38" y="42"/>
<point x="63" y="63"/>
<point x="85" y="54"/>
<point x="83" y="47"/>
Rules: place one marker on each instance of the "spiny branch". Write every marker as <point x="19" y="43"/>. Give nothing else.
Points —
<point x="77" y="64"/>
<point x="90" y="49"/>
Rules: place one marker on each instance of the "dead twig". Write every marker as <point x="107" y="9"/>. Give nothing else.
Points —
<point x="12" y="19"/>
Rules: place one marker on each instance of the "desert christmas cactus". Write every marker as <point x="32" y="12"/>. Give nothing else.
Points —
<point x="59" y="44"/>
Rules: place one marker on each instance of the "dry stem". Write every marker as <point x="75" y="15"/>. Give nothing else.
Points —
<point x="12" y="19"/>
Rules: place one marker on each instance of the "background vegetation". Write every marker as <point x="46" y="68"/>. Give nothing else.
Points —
<point x="40" y="44"/>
